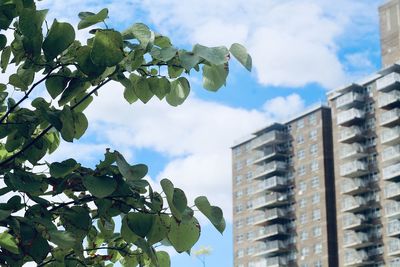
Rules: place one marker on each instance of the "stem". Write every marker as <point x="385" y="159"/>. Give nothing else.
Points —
<point x="33" y="141"/>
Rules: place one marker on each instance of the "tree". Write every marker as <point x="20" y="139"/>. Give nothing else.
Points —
<point x="81" y="231"/>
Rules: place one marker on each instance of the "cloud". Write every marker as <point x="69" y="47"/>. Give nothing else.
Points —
<point x="276" y="111"/>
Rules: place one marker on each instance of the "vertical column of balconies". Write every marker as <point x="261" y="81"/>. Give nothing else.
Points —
<point x="271" y="198"/>
<point x="389" y="120"/>
<point x="354" y="182"/>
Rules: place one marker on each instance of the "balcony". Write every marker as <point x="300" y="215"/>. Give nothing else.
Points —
<point x="351" y="116"/>
<point x="356" y="258"/>
<point x="269" y="138"/>
<point x="389" y="100"/>
<point x="390" y="118"/>
<point x="274" y="230"/>
<point x="354" y="221"/>
<point x="275" y="183"/>
<point x="394" y="262"/>
<point x="391" y="172"/>
<point x="353" y="169"/>
<point x="349" y="99"/>
<point x="392" y="191"/>
<point x="271" y="248"/>
<point x="271" y="215"/>
<point x="393" y="247"/>
<point x="354" y="204"/>
<point x="270" y="201"/>
<point x="351" y="134"/>
<point x="269" y="169"/>
<point x="392" y="210"/>
<point x="278" y="261"/>
<point x="354" y="186"/>
<point x="353" y="151"/>
<point x="391" y="155"/>
<point x="390" y="136"/>
<point x="388" y="82"/>
<point x="270" y="153"/>
<point x="353" y="239"/>
<point x="393" y="228"/>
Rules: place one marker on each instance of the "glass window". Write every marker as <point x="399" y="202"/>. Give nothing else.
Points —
<point x="303" y="218"/>
<point x="300" y="139"/>
<point x="314" y="134"/>
<point x="316" y="198"/>
<point x="249" y="175"/>
<point x="304" y="252"/>
<point x="249" y="162"/>
<point x="239" y="165"/>
<point x="240" y="253"/>
<point x="301" y="154"/>
<point x="314" y="165"/>
<point x="312" y="118"/>
<point x="302" y="186"/>
<point x="316" y="214"/>
<point x="240" y="238"/>
<point x="318" y="263"/>
<point x="318" y="248"/>
<point x="303" y="203"/>
<point x="239" y="179"/>
<point x="302" y="170"/>
<point x="237" y="151"/>
<point x="304" y="235"/>
<point x="315" y="182"/>
<point x="300" y="123"/>
<point x="317" y="231"/>
<point x="314" y="149"/>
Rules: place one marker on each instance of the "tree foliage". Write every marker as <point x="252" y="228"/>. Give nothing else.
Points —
<point x="84" y="230"/>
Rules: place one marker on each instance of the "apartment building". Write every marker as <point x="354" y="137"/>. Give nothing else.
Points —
<point x="389" y="16"/>
<point x="283" y="194"/>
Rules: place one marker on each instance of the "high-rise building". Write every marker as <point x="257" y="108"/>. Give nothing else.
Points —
<point x="284" y="194"/>
<point x="389" y="15"/>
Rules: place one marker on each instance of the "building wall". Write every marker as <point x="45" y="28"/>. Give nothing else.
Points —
<point x="389" y="14"/>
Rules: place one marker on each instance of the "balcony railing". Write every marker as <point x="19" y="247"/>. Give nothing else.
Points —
<point x="388" y="82"/>
<point x="352" y="239"/>
<point x="353" y="169"/>
<point x="354" y="204"/>
<point x="270" y="231"/>
<point x="271" y="215"/>
<point x="393" y="247"/>
<point x="390" y="136"/>
<point x="389" y="118"/>
<point x="269" y="138"/>
<point x="272" y="184"/>
<point x="356" y="258"/>
<point x="270" y="200"/>
<point x="352" y="221"/>
<point x="350" y="116"/>
<point x="270" y="153"/>
<point x="349" y="99"/>
<point x="354" y="186"/>
<point x="388" y="100"/>
<point x="393" y="228"/>
<point x="391" y="172"/>
<point x="392" y="209"/>
<point x="353" y="151"/>
<point x="392" y="191"/>
<point x="270" y="168"/>
<point x="350" y="134"/>
<point x="279" y="261"/>
<point x="391" y="154"/>
<point x="271" y="247"/>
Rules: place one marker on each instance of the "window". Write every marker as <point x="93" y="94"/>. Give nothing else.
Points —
<point x="239" y="223"/>
<point x="303" y="235"/>
<point x="249" y="162"/>
<point x="239" y="194"/>
<point x="314" y="165"/>
<point x="315" y="198"/>
<point x="302" y="170"/>
<point x="300" y="123"/>
<point x="250" y="250"/>
<point x="370" y="123"/>
<point x="318" y="248"/>
<point x="249" y="175"/>
<point x="317" y="231"/>
<point x="250" y="235"/>
<point x="239" y="179"/>
<point x="314" y="149"/>
<point x="318" y="263"/>
<point x="315" y="182"/>
<point x="303" y="203"/>
<point x="249" y="204"/>
<point x="239" y="208"/>
<point x="302" y="186"/>
<point x="304" y="252"/>
<point x="237" y="151"/>
<point x="316" y="214"/>
<point x="239" y="165"/>
<point x="312" y="119"/>
<point x="240" y="253"/>
<point x="301" y="154"/>
<point x="300" y="139"/>
<point x="313" y="134"/>
<point x="303" y="218"/>
<point x="240" y="238"/>
<point x="248" y="146"/>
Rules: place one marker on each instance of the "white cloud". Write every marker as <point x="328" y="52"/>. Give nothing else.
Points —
<point x="284" y="108"/>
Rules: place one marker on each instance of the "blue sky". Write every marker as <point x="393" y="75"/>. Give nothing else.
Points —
<point x="300" y="49"/>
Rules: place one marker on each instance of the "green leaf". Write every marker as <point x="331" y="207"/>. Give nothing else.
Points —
<point x="163" y="259"/>
<point x="175" y="197"/>
<point x="140" y="32"/>
<point x="99" y="186"/>
<point x="61" y="169"/>
<point x="213" y="213"/>
<point x="129" y="172"/>
<point x="240" y="53"/>
<point x="164" y="54"/>
<point x="68" y="125"/>
<point x="74" y="88"/>
<point x="78" y="217"/>
<point x="129" y="94"/>
<point x="142" y="90"/>
<point x="88" y="18"/>
<point x="214" y="55"/>
<point x="180" y="89"/>
<point x="127" y="234"/>
<point x="59" y="38"/>
<point x="159" y="86"/>
<point x="86" y="64"/>
<point x="183" y="235"/>
<point x="162" y="41"/>
<point x="16" y="81"/>
<point x="9" y="243"/>
<point x="107" y="48"/>
<point x="188" y="59"/>
<point x="140" y="223"/>
<point x="55" y="84"/>
<point x="80" y="124"/>
<point x="5" y="58"/>
<point x="4" y="214"/>
<point x="62" y="239"/>
<point x="3" y="41"/>
<point x="214" y="76"/>
<point x="159" y="229"/>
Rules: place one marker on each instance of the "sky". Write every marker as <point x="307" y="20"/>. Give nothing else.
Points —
<point x="300" y="48"/>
